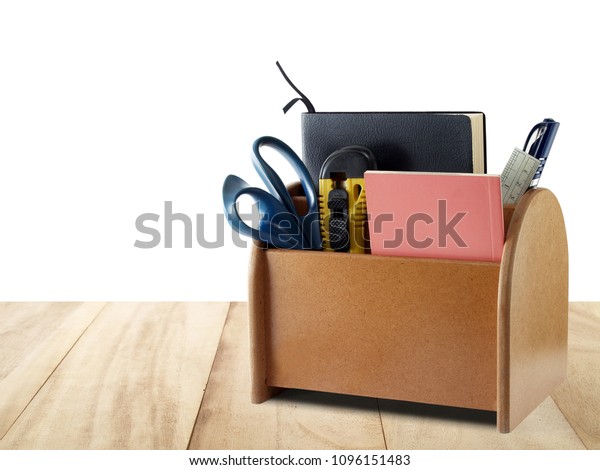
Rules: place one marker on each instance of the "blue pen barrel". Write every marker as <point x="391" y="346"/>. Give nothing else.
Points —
<point x="540" y="148"/>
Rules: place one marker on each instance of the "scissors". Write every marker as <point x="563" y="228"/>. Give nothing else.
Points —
<point x="280" y="225"/>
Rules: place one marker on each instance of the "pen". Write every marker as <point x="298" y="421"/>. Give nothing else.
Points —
<point x="540" y="148"/>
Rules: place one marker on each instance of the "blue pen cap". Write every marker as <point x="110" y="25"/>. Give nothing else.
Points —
<point x="540" y="148"/>
<point x="547" y="130"/>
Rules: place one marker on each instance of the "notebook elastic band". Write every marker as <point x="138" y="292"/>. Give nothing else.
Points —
<point x="303" y="98"/>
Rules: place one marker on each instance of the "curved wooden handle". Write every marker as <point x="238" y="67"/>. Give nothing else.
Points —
<point x="532" y="307"/>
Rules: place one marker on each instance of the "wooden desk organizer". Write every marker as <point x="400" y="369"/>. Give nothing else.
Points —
<point x="490" y="336"/>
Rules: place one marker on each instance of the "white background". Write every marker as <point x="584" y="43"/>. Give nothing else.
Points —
<point x="108" y="109"/>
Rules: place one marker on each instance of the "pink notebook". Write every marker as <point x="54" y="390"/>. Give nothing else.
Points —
<point x="435" y="215"/>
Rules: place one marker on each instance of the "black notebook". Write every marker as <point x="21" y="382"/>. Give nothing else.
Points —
<point x="401" y="141"/>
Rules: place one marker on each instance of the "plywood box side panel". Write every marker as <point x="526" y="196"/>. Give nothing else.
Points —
<point x="532" y="309"/>
<point x="260" y="391"/>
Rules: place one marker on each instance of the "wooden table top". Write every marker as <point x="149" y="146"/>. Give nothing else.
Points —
<point x="176" y="376"/>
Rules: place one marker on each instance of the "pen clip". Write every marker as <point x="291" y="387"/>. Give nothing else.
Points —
<point x="541" y="128"/>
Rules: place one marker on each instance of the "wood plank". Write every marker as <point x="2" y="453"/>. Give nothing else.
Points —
<point x="134" y="380"/>
<point x="292" y="420"/>
<point x="579" y="397"/>
<point x="415" y="426"/>
<point x="35" y="337"/>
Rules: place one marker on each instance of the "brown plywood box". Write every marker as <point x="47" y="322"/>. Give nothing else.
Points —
<point x="481" y="335"/>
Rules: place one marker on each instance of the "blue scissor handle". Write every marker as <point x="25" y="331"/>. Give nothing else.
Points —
<point x="271" y="178"/>
<point x="280" y="224"/>
<point x="277" y="227"/>
<point x="309" y="224"/>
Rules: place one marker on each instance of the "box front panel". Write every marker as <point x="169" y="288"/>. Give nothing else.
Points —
<point x="402" y="328"/>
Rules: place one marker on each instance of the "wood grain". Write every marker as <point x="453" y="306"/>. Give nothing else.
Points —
<point x="415" y="426"/>
<point x="34" y="338"/>
<point x="579" y="397"/>
<point x="292" y="420"/>
<point x="135" y="380"/>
